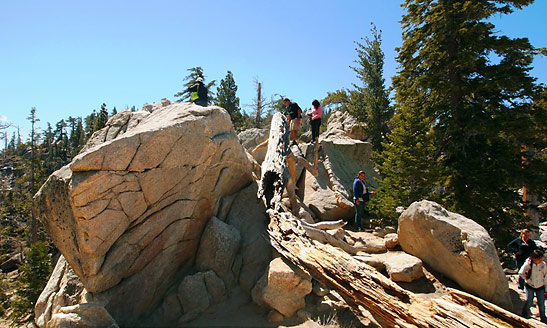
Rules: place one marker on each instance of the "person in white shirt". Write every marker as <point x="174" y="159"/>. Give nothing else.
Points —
<point x="534" y="273"/>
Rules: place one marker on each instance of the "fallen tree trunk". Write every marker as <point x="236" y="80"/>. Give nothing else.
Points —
<point x="391" y="305"/>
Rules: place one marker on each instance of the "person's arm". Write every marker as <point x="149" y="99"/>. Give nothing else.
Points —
<point x="512" y="246"/>
<point x="524" y="269"/>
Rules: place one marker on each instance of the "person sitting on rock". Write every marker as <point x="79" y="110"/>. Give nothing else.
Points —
<point x="534" y="272"/>
<point x="199" y="93"/>
<point x="523" y="246"/>
<point x="294" y="115"/>
<point x="361" y="196"/>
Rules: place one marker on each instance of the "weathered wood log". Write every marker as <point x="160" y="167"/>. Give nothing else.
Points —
<point x="326" y="225"/>
<point x="361" y="285"/>
<point x="274" y="168"/>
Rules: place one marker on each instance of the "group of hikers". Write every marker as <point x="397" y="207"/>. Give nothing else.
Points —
<point x="199" y="96"/>
<point x="532" y="272"/>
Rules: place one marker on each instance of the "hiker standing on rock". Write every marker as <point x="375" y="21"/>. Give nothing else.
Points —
<point x="199" y="93"/>
<point x="315" y="122"/>
<point x="534" y="272"/>
<point x="523" y="247"/>
<point x="294" y="115"/>
<point x="361" y="196"/>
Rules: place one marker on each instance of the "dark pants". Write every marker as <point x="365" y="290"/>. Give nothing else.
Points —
<point x="360" y="215"/>
<point x="540" y="295"/>
<point x="202" y="103"/>
<point x="315" y="125"/>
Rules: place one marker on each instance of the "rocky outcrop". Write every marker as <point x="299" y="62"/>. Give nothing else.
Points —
<point x="256" y="142"/>
<point x="456" y="247"/>
<point x="342" y="124"/>
<point x="217" y="250"/>
<point x="138" y="198"/>
<point x="87" y="315"/>
<point x="330" y="194"/>
<point x="63" y="289"/>
<point x="282" y="289"/>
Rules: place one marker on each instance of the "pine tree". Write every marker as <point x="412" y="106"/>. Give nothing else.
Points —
<point x="33" y="158"/>
<point x="227" y="99"/>
<point x="90" y="124"/>
<point x="190" y="79"/>
<point x="471" y="102"/>
<point x="371" y="104"/>
<point x="102" y="118"/>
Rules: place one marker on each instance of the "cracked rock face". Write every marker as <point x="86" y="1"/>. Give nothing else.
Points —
<point x="455" y="246"/>
<point x="137" y="199"/>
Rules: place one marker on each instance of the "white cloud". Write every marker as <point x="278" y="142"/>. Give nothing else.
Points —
<point x="3" y="118"/>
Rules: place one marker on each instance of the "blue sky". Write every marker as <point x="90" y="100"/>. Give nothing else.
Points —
<point x="68" y="57"/>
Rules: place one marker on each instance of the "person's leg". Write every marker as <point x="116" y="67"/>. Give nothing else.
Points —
<point x="315" y="125"/>
<point x="529" y="300"/>
<point x="540" y="294"/>
<point x="365" y="216"/>
<point x="358" y="215"/>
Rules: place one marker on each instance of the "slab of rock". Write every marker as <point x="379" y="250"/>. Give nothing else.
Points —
<point x="86" y="315"/>
<point x="248" y="215"/>
<point x="456" y="247"/>
<point x="374" y="262"/>
<point x="253" y="137"/>
<point x="329" y="195"/>
<point x="391" y="240"/>
<point x="217" y="249"/>
<point x="282" y="289"/>
<point x="404" y="267"/>
<point x="129" y="205"/>
<point x="63" y="289"/>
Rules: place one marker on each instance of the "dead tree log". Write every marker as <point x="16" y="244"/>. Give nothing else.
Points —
<point x="361" y="285"/>
<point x="274" y="168"/>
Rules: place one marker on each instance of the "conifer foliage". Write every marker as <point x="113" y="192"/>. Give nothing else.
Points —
<point x="227" y="99"/>
<point x="472" y="91"/>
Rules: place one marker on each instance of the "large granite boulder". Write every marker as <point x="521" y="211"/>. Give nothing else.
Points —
<point x="248" y="215"/>
<point x="342" y="124"/>
<point x="282" y="289"/>
<point x="217" y="249"/>
<point x="456" y="247"/>
<point x="138" y="198"/>
<point x="330" y="194"/>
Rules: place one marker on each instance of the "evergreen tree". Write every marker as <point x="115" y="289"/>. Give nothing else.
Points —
<point x="90" y="124"/>
<point x="102" y="118"/>
<point x="190" y="79"/>
<point x="372" y="102"/>
<point x="114" y="111"/>
<point x="33" y="158"/>
<point x="471" y="102"/>
<point x="227" y="99"/>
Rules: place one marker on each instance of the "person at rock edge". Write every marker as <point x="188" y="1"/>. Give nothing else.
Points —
<point x="523" y="246"/>
<point x="361" y="196"/>
<point x="294" y="116"/>
<point x="315" y="122"/>
<point x="199" y="93"/>
<point x="534" y="272"/>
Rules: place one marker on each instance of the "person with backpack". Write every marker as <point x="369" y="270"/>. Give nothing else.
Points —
<point x="315" y="119"/>
<point x="294" y="116"/>
<point x="534" y="273"/>
<point x="523" y="246"/>
<point x="361" y="196"/>
<point x="199" y="93"/>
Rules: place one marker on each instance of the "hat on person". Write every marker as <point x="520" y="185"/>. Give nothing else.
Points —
<point x="199" y="79"/>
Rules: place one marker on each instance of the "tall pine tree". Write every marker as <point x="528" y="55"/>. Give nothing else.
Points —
<point x="227" y="99"/>
<point x="371" y="100"/>
<point x="472" y="86"/>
